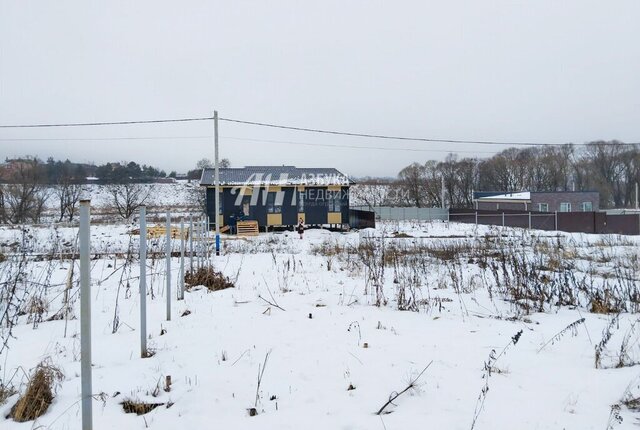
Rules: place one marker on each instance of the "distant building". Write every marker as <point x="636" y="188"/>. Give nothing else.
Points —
<point x="278" y="196"/>
<point x="559" y="201"/>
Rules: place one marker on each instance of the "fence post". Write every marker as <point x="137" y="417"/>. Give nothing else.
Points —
<point x="198" y="242"/>
<point x="85" y="316"/>
<point x="181" y="273"/>
<point x="556" y="219"/>
<point x="168" y="252"/>
<point x="476" y="218"/>
<point x="191" y="242"/>
<point x="143" y="282"/>
<point x="529" y="220"/>
<point x="503" y="218"/>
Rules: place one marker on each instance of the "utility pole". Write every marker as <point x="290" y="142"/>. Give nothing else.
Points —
<point x="217" y="181"/>
<point x="442" y="191"/>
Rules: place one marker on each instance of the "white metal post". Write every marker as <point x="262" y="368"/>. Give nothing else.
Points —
<point x="191" y="242"/>
<point x="529" y="220"/>
<point x="143" y="282"/>
<point x="442" y="191"/>
<point x="503" y="219"/>
<point x="168" y="252"/>
<point x="206" y="237"/>
<point x="181" y="273"/>
<point x="199" y="244"/>
<point x="556" y="219"/>
<point x="85" y="316"/>
<point x="476" y="218"/>
<point x="217" y="182"/>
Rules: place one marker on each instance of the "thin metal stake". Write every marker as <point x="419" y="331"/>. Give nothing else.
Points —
<point x="216" y="181"/>
<point x="168" y="252"/>
<point x="143" y="282"/>
<point x="181" y="290"/>
<point x="85" y="316"/>
<point x="191" y="242"/>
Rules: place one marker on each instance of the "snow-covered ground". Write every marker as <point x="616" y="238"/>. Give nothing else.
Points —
<point x="334" y="357"/>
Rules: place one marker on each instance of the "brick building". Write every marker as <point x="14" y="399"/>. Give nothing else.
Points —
<point x="560" y="201"/>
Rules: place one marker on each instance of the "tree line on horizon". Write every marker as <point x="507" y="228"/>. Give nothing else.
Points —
<point x="610" y="167"/>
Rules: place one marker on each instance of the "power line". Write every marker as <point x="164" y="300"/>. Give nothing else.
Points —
<point x="381" y="136"/>
<point x="329" y="145"/>
<point x="285" y="127"/>
<point x="92" y="124"/>
<point x="35" y="139"/>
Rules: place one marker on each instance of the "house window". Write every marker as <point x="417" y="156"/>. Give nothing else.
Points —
<point x="272" y="207"/>
<point x="335" y="201"/>
<point x="565" y="207"/>
<point x="543" y="207"/>
<point x="587" y="207"/>
<point x="300" y="202"/>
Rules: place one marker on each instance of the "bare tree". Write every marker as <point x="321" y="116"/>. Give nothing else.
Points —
<point x="206" y="163"/>
<point x="25" y="196"/>
<point x="128" y="197"/>
<point x="68" y="195"/>
<point x="413" y="180"/>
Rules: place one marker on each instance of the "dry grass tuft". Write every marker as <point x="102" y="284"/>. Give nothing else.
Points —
<point x="39" y="393"/>
<point x="209" y="278"/>
<point x="6" y="391"/>
<point x="604" y="303"/>
<point x="632" y="404"/>
<point x="131" y="406"/>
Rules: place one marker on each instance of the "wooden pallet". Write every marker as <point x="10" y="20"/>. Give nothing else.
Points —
<point x="247" y="228"/>
<point x="156" y="231"/>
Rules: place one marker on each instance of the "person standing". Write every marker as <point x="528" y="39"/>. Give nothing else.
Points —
<point x="300" y="227"/>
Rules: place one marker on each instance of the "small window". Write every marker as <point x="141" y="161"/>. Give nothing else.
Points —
<point x="543" y="207"/>
<point x="335" y="201"/>
<point x="565" y="207"/>
<point x="272" y="207"/>
<point x="587" y="207"/>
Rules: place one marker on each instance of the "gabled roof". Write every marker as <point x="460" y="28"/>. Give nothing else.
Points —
<point x="275" y="175"/>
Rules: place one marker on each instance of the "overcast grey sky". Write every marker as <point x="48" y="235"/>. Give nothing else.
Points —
<point x="544" y="70"/>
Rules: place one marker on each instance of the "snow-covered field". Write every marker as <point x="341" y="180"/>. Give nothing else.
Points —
<point x="304" y="313"/>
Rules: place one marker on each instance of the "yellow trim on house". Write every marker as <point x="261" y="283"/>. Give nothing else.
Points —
<point x="334" y="218"/>
<point x="274" y="219"/>
<point x="334" y="187"/>
<point x="301" y="215"/>
<point x="300" y="187"/>
<point x="221" y="220"/>
<point x="273" y="188"/>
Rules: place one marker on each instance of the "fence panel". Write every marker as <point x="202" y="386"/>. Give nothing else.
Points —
<point x="622" y="224"/>
<point x="389" y="213"/>
<point x="571" y="222"/>
<point x="576" y="222"/>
